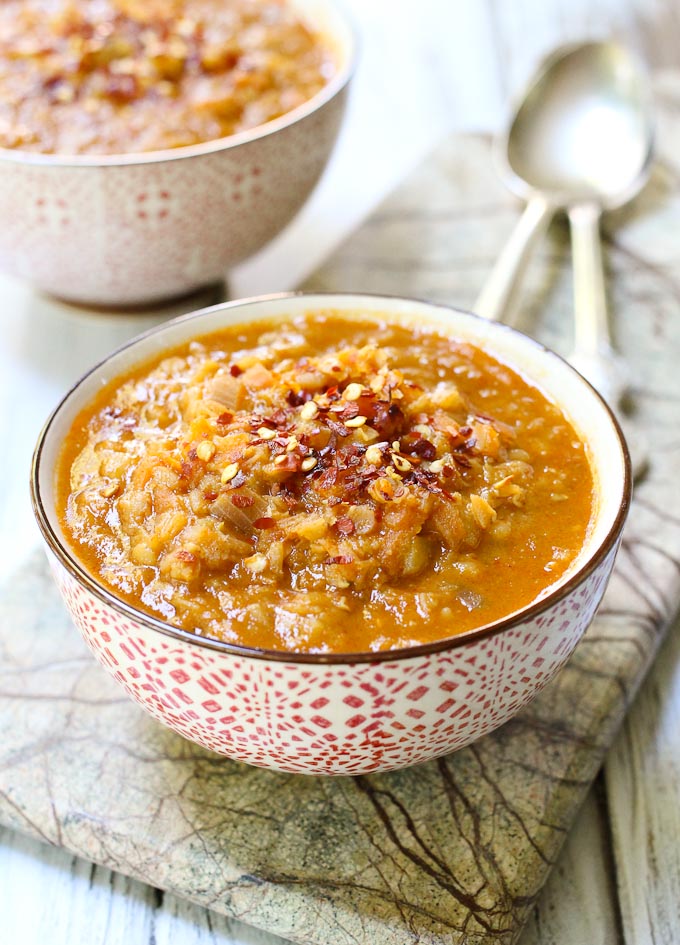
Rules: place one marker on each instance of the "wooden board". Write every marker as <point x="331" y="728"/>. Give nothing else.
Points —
<point x="458" y="848"/>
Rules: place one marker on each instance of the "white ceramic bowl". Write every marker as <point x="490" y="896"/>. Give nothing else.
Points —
<point x="129" y="229"/>
<point x="344" y="714"/>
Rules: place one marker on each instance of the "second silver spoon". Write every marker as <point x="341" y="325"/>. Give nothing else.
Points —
<point x="581" y="141"/>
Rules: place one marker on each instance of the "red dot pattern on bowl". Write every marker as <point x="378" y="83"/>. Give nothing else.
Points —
<point x="341" y="719"/>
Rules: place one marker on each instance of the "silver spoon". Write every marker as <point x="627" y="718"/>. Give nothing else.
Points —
<point x="581" y="140"/>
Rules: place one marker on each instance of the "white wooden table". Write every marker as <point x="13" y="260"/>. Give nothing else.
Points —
<point x="428" y="67"/>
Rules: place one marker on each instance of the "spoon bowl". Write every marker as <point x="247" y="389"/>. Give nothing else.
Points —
<point x="583" y="131"/>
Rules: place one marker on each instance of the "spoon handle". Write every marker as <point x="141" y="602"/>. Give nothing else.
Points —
<point x="494" y="301"/>
<point x="593" y="352"/>
<point x="591" y="326"/>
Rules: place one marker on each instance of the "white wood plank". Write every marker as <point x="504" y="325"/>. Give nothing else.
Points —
<point x="49" y="896"/>
<point x="643" y="786"/>
<point x="527" y="30"/>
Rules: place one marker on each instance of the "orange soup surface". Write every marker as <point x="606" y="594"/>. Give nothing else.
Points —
<point x="118" y="76"/>
<point x="331" y="484"/>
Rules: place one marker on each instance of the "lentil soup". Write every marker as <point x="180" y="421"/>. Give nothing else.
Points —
<point x="330" y="484"/>
<point x="121" y="76"/>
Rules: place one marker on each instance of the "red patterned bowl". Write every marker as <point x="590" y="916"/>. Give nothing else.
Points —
<point x="344" y="714"/>
<point x="138" y="228"/>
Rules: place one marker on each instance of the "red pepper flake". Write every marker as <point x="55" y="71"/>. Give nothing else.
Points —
<point x="428" y="481"/>
<point x="290" y="462"/>
<point x="225" y="418"/>
<point x="242" y="501"/>
<point x="338" y="428"/>
<point x="288" y="494"/>
<point x="330" y="447"/>
<point x="257" y="421"/>
<point x="279" y="417"/>
<point x="333" y="393"/>
<point x="187" y="556"/>
<point x="210" y="496"/>
<point x="387" y="419"/>
<point x="296" y="398"/>
<point x="264" y="522"/>
<point x="52" y="82"/>
<point x="349" y="411"/>
<point x="122" y="89"/>
<point x="235" y="370"/>
<point x="349" y="456"/>
<point x="328" y="478"/>
<point x="345" y="525"/>
<point x="421" y="447"/>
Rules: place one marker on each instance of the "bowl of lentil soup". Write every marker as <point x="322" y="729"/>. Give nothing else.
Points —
<point x="147" y="146"/>
<point x="332" y="533"/>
